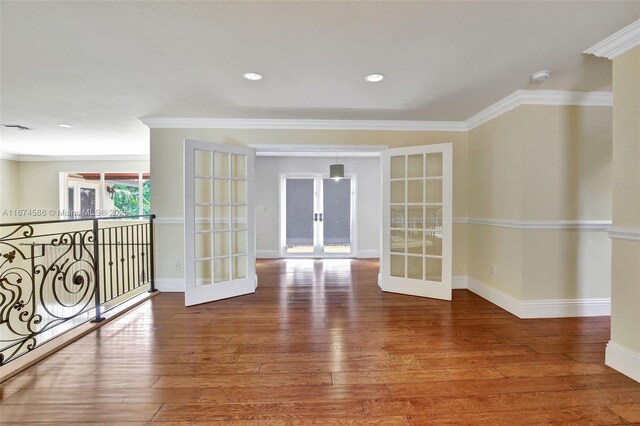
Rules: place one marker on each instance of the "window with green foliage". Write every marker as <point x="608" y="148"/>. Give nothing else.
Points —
<point x="114" y="194"/>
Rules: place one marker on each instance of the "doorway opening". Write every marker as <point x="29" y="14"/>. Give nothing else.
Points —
<point x="317" y="216"/>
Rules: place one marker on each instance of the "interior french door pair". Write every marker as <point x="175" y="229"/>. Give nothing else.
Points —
<point x="317" y="216"/>
<point x="219" y="239"/>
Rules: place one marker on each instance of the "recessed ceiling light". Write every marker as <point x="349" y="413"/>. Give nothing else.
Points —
<point x="66" y="126"/>
<point x="540" y="76"/>
<point x="374" y="78"/>
<point x="253" y="76"/>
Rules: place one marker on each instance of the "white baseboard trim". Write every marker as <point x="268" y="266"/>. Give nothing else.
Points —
<point x="267" y="254"/>
<point x="170" y="285"/>
<point x="505" y="301"/>
<point x="624" y="360"/>
<point x="542" y="308"/>
<point x="368" y="254"/>
<point x="561" y="308"/>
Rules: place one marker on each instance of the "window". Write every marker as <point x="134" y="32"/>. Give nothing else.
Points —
<point x="106" y="194"/>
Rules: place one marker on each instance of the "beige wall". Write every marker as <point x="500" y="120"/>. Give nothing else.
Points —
<point x="625" y="297"/>
<point x="8" y="188"/>
<point x="38" y="181"/>
<point x="166" y="165"/>
<point x="541" y="164"/>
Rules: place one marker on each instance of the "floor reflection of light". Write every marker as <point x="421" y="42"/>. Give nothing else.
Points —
<point x="337" y="350"/>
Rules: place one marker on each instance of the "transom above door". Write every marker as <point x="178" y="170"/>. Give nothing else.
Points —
<point x="317" y="216"/>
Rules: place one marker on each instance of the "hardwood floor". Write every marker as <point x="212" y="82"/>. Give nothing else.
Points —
<point x="320" y="344"/>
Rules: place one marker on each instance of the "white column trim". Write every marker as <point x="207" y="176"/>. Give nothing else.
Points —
<point x="623" y="359"/>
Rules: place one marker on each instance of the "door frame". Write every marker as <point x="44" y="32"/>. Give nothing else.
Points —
<point x="318" y="203"/>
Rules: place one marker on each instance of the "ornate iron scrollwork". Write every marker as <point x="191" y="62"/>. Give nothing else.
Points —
<point x="48" y="279"/>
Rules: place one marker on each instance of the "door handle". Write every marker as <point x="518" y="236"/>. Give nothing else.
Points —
<point x="315" y="217"/>
<point x="320" y="219"/>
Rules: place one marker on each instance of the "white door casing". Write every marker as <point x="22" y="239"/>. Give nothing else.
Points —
<point x="417" y="221"/>
<point x="219" y="234"/>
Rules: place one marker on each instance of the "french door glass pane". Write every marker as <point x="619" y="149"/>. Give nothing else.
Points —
<point x="221" y="191"/>
<point x="202" y="163"/>
<point x="397" y="265"/>
<point x="417" y="234"/>
<point x="299" y="215"/>
<point x="202" y="245"/>
<point x="221" y="164"/>
<point x="239" y="267"/>
<point x="221" y="244"/>
<point x="397" y="167"/>
<point x="203" y="191"/>
<point x="336" y="222"/>
<point x="415" y="166"/>
<point x="221" y="270"/>
<point x="203" y="272"/>
<point x="415" y="191"/>
<point x="221" y="217"/>
<point x="414" y="267"/>
<point x="397" y="241"/>
<point x="239" y="217"/>
<point x="434" y="164"/>
<point x="397" y="191"/>
<point x="433" y="243"/>
<point x="433" y="266"/>
<point x="239" y="166"/>
<point x="434" y="191"/>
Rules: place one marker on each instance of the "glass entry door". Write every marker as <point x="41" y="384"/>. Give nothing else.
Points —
<point x="317" y="216"/>
<point x="220" y="255"/>
<point x="417" y="221"/>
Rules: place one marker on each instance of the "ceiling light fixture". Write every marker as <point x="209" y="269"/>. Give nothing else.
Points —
<point x="66" y="126"/>
<point x="374" y="78"/>
<point x="336" y="171"/>
<point x="253" y="76"/>
<point x="540" y="76"/>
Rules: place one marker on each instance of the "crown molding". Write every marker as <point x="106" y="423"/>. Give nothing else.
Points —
<point x="72" y="158"/>
<point x="506" y="104"/>
<point x="538" y="97"/>
<point x="302" y="124"/>
<point x="7" y="156"/>
<point x="617" y="43"/>
<point x="283" y="150"/>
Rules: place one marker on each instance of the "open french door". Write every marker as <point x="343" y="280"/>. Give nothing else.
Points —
<point x="417" y="221"/>
<point x="220" y="255"/>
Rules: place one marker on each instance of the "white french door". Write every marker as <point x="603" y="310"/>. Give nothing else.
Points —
<point x="317" y="216"/>
<point x="219" y="222"/>
<point x="417" y="221"/>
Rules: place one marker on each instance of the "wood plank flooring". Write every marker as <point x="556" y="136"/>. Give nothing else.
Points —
<point x="320" y="344"/>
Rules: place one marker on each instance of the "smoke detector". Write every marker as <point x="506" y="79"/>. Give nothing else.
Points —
<point x="540" y="76"/>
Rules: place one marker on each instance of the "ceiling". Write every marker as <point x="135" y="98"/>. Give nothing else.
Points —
<point x="99" y="65"/>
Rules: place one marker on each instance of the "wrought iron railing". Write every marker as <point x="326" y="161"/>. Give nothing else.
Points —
<point x="56" y="275"/>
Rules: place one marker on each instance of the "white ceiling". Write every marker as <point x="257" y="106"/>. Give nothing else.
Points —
<point x="100" y="65"/>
